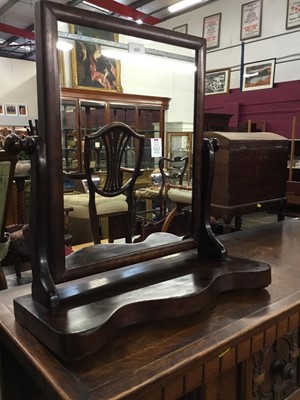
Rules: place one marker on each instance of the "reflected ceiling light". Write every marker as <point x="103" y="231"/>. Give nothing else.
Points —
<point x="183" y="4"/>
<point x="104" y="10"/>
<point x="64" y="46"/>
<point x="145" y="60"/>
<point x="139" y="21"/>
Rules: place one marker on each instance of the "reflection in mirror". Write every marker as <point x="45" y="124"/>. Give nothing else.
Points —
<point x="146" y="84"/>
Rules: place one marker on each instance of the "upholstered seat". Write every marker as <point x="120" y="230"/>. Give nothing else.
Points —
<point x="104" y="205"/>
<point x="180" y="194"/>
<point x="172" y="172"/>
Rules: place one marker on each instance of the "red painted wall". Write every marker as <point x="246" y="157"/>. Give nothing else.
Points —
<point x="276" y="106"/>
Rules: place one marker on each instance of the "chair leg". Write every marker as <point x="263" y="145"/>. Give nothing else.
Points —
<point x="3" y="282"/>
<point x="119" y="226"/>
<point x="129" y="221"/>
<point x="18" y="265"/>
<point x="168" y="220"/>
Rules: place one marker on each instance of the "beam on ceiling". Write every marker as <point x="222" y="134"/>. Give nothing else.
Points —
<point x="124" y="10"/>
<point x="7" y="6"/>
<point x="16" y="31"/>
<point x="12" y="39"/>
<point x="139" y="3"/>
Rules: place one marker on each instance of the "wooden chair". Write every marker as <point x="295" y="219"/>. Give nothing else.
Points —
<point x="172" y="171"/>
<point x="115" y="138"/>
<point x="7" y="167"/>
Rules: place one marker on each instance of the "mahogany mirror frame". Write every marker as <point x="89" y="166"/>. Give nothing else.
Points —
<point x="47" y="217"/>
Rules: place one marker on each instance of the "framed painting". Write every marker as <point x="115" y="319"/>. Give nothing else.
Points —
<point x="11" y="109"/>
<point x="258" y="75"/>
<point x="22" y="110"/>
<point x="1" y="109"/>
<point x="211" y="30"/>
<point x="217" y="81"/>
<point x="251" y="20"/>
<point x="181" y="28"/>
<point x="90" y="67"/>
<point x="293" y="14"/>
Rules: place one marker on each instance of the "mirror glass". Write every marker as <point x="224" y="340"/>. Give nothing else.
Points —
<point x="147" y="77"/>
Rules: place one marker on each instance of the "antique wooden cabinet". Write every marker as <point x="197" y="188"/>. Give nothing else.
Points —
<point x="250" y="173"/>
<point x="243" y="346"/>
<point x="85" y="111"/>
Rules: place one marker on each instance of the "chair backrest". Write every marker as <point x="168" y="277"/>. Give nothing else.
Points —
<point x="7" y="168"/>
<point x="172" y="170"/>
<point x="114" y="140"/>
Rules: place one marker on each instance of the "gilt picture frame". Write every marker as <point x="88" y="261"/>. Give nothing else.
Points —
<point x="91" y="69"/>
<point x="258" y="75"/>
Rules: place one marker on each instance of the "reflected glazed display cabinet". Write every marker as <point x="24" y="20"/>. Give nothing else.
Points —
<point x="86" y="111"/>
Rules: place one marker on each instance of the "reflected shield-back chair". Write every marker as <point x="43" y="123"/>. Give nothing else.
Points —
<point x="115" y="139"/>
<point x="173" y="171"/>
<point x="7" y="168"/>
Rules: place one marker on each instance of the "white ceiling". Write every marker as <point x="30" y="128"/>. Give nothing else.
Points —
<point x="17" y="20"/>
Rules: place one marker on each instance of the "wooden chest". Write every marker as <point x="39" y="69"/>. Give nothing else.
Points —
<point x="250" y="171"/>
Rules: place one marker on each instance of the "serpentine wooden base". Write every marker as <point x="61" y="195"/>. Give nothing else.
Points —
<point x="168" y="287"/>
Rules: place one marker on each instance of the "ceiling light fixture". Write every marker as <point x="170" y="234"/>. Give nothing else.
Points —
<point x="183" y="4"/>
<point x="104" y="10"/>
<point x="64" y="46"/>
<point x="140" y="60"/>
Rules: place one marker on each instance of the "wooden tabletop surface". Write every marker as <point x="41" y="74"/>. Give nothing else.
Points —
<point x="141" y="357"/>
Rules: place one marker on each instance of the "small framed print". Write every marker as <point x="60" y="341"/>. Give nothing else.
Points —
<point x="211" y="30"/>
<point x="293" y="14"/>
<point x="258" y="75"/>
<point x="251" y="19"/>
<point x="181" y="28"/>
<point x="217" y="81"/>
<point x="1" y="109"/>
<point x="22" y="110"/>
<point x="11" y="109"/>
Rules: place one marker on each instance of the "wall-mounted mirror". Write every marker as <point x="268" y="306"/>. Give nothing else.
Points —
<point x="104" y="59"/>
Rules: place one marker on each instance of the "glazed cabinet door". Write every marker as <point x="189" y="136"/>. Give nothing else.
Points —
<point x="69" y="135"/>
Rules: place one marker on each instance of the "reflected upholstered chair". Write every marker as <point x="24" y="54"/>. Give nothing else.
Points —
<point x="7" y="167"/>
<point x="111" y="198"/>
<point x="172" y="171"/>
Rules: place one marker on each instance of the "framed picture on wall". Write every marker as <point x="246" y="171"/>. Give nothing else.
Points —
<point x="11" y="109"/>
<point x="181" y="28"/>
<point x="293" y="14"/>
<point x="1" y="109"/>
<point x="211" y="30"/>
<point x="251" y="19"/>
<point x="259" y="75"/>
<point x="22" y="110"/>
<point x="217" y="81"/>
<point x="91" y="68"/>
